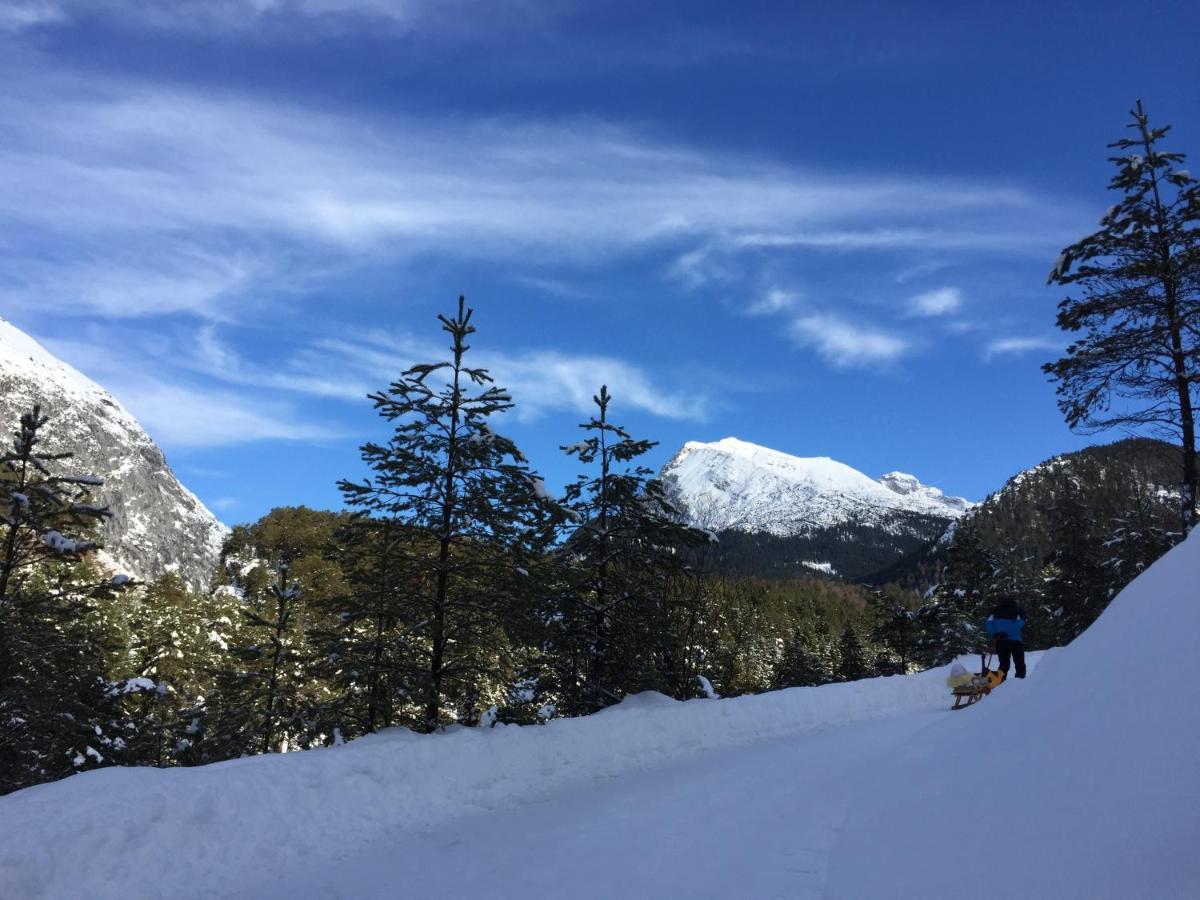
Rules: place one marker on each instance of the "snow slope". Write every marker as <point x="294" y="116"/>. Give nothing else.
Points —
<point x="1083" y="783"/>
<point x="158" y="524"/>
<point x="1078" y="782"/>
<point x="739" y="485"/>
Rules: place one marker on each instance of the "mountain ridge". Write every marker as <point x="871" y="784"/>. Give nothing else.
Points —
<point x="783" y="515"/>
<point x="158" y="525"/>
<point x="735" y="484"/>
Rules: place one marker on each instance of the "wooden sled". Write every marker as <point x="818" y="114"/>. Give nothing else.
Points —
<point x="965" y="696"/>
<point x="979" y="687"/>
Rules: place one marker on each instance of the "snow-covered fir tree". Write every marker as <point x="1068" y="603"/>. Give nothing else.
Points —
<point x="57" y="709"/>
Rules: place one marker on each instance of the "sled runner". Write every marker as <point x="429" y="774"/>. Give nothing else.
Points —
<point x="968" y="689"/>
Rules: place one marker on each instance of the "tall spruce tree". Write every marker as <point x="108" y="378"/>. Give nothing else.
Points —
<point x="474" y="517"/>
<point x="625" y="544"/>
<point x="1136" y="362"/>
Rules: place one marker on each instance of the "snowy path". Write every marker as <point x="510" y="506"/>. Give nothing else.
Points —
<point x="751" y="821"/>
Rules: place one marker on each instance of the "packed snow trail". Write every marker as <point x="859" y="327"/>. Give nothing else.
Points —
<point x="215" y="823"/>
<point x="755" y="821"/>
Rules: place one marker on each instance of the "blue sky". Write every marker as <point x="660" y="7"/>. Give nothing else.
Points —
<point x="824" y="228"/>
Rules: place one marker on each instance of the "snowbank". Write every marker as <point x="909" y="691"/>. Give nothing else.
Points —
<point x="186" y="832"/>
<point x="1080" y="782"/>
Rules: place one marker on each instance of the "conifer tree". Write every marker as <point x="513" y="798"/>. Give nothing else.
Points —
<point x="57" y="709"/>
<point x="897" y="627"/>
<point x="474" y="515"/>
<point x="625" y="543"/>
<point x="1076" y="586"/>
<point x="1136" y="362"/>
<point x="370" y="653"/>
<point x="852" y="662"/>
<point x="824" y="649"/>
<point x="1135" y="538"/>
<point x="798" y="666"/>
<point x="260" y="702"/>
<point x="172" y="653"/>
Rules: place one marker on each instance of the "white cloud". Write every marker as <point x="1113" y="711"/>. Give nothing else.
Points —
<point x="18" y="15"/>
<point x="198" y="281"/>
<point x="143" y="372"/>
<point x="541" y="381"/>
<point x="847" y="344"/>
<point x="546" y="381"/>
<point x="772" y="301"/>
<point x="178" y="416"/>
<point x="1017" y="345"/>
<point x="942" y="302"/>
<point x="556" y="287"/>
<point x="308" y="18"/>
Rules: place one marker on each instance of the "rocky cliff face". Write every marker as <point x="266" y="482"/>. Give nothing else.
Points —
<point x="158" y="525"/>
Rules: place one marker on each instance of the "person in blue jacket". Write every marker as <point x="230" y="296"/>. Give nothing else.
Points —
<point x="1004" y="627"/>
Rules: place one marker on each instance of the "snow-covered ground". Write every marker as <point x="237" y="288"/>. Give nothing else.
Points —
<point x="1079" y="782"/>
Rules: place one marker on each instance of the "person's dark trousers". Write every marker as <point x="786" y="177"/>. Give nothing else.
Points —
<point x="1013" y="651"/>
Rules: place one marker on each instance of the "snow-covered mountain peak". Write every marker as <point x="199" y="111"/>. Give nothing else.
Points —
<point x="158" y="524"/>
<point x="901" y="482"/>
<point x="22" y="355"/>
<point x="733" y="483"/>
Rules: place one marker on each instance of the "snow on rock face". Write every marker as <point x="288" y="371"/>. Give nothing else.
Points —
<point x="158" y="525"/>
<point x="733" y="484"/>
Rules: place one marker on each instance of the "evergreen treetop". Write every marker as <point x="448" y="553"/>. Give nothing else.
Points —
<point x="1136" y="362"/>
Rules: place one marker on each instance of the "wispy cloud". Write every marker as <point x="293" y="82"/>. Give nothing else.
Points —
<point x="150" y="378"/>
<point x="96" y="167"/>
<point x="541" y="381"/>
<point x="114" y="282"/>
<point x="556" y="287"/>
<point x="847" y="344"/>
<point x="1014" y="346"/>
<point x="19" y="15"/>
<point x="179" y="416"/>
<point x="193" y="389"/>
<point x="941" y="302"/>
<point x="773" y="301"/>
<point x="309" y="18"/>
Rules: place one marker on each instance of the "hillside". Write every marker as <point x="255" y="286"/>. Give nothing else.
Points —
<point x="158" y="525"/>
<point x="1109" y="494"/>
<point x="680" y="794"/>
